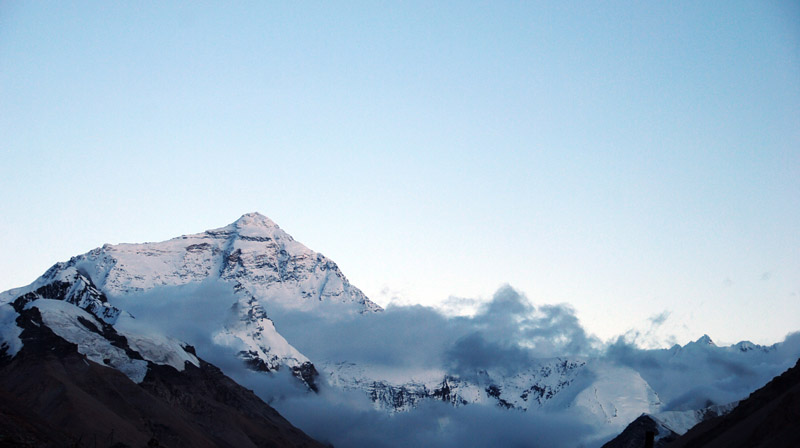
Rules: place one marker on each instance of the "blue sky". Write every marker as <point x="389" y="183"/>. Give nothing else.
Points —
<point x="628" y="158"/>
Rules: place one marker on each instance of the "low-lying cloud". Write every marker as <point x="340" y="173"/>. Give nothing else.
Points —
<point x="504" y="335"/>
<point x="689" y="377"/>
<point x="505" y="332"/>
<point x="432" y="424"/>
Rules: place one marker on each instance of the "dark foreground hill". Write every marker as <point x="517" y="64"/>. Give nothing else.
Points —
<point x="53" y="396"/>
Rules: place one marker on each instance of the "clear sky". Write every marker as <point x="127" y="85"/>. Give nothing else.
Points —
<point x="628" y="158"/>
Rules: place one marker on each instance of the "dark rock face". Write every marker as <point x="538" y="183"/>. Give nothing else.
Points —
<point x="79" y="291"/>
<point x="225" y="412"/>
<point x="308" y="374"/>
<point x="634" y="435"/>
<point x="53" y="396"/>
<point x="445" y="393"/>
<point x="409" y="396"/>
<point x="767" y="418"/>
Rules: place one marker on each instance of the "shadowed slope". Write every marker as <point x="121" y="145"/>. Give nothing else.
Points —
<point x="51" y="395"/>
<point x="767" y="418"/>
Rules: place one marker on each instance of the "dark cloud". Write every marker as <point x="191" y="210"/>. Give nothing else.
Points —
<point x="507" y="332"/>
<point x="474" y="353"/>
<point x="402" y="335"/>
<point x="658" y="319"/>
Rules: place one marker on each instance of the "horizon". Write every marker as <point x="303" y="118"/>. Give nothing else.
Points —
<point x="639" y="162"/>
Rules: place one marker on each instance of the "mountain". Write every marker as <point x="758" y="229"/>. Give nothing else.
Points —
<point x="256" y="261"/>
<point x="400" y="391"/>
<point x="60" y="334"/>
<point x="666" y="426"/>
<point x="215" y="291"/>
<point x="767" y="418"/>
<point x="69" y="378"/>
<point x="139" y="315"/>
<point x="606" y="396"/>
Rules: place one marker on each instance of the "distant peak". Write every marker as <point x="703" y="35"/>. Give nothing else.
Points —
<point x="705" y="340"/>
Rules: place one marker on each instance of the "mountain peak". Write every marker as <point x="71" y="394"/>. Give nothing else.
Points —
<point x="705" y="340"/>
<point x="745" y="346"/>
<point x="254" y="219"/>
<point x="256" y="225"/>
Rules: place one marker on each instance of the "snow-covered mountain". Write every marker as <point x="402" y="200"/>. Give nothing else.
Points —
<point x="599" y="393"/>
<point x="257" y="261"/>
<point x="399" y="390"/>
<point x="140" y="307"/>
<point x="261" y="266"/>
<point x="253" y="254"/>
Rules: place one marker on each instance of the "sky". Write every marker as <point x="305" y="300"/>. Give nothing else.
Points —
<point x="639" y="161"/>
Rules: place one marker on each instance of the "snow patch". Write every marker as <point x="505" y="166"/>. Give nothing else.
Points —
<point x="9" y="331"/>
<point x="154" y="347"/>
<point x="617" y="396"/>
<point x="62" y="318"/>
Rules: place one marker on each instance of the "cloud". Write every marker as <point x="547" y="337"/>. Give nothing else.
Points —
<point x="342" y="423"/>
<point x="474" y="353"/>
<point x="506" y="332"/>
<point x="390" y="295"/>
<point x="459" y="306"/>
<point x="653" y="335"/>
<point x="504" y="335"/>
<point x="658" y="319"/>
<point x="402" y="335"/>
<point x="690" y="376"/>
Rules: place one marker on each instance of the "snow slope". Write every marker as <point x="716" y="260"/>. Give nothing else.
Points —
<point x="253" y="254"/>
<point x="617" y="396"/>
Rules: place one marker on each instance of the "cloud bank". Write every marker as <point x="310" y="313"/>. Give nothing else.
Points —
<point x="506" y="332"/>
